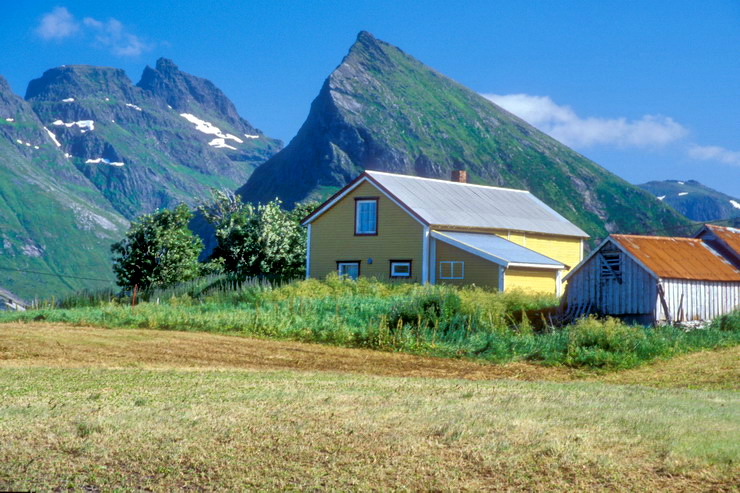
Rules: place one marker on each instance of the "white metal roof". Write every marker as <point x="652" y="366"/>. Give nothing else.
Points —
<point x="496" y="249"/>
<point x="442" y="202"/>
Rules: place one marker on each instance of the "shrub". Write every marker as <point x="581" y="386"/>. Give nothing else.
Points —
<point x="730" y="321"/>
<point x="600" y="343"/>
<point x="428" y="307"/>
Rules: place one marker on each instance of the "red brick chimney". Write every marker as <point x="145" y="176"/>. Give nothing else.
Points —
<point x="459" y="175"/>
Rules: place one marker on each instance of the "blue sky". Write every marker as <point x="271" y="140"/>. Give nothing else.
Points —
<point x="648" y="89"/>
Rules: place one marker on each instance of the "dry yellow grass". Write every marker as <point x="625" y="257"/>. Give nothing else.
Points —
<point x="718" y="369"/>
<point x="58" y="345"/>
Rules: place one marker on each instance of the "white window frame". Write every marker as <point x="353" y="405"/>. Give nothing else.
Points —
<point x="358" y="204"/>
<point x="452" y="269"/>
<point x="348" y="262"/>
<point x="401" y="275"/>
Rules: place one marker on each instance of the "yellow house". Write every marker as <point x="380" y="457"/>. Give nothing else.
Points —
<point x="406" y="228"/>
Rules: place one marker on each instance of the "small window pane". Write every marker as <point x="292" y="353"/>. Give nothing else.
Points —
<point x="400" y="269"/>
<point x="349" y="269"/>
<point x="452" y="270"/>
<point x="366" y="217"/>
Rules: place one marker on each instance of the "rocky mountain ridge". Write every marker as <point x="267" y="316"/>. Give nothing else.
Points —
<point x="139" y="150"/>
<point x="88" y="150"/>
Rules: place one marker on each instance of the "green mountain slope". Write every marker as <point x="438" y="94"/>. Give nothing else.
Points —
<point x="694" y="200"/>
<point x="382" y="109"/>
<point x="52" y="219"/>
<point x="89" y="150"/>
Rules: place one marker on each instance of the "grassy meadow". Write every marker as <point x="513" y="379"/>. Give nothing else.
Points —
<point x="101" y="409"/>
<point x="211" y="386"/>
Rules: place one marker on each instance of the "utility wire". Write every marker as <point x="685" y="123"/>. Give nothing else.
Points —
<point x="56" y="275"/>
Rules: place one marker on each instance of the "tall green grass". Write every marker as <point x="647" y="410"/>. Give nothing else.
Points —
<point x="430" y="320"/>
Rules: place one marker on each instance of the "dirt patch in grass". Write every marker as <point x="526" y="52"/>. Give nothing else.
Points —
<point x="59" y="345"/>
<point x="65" y="346"/>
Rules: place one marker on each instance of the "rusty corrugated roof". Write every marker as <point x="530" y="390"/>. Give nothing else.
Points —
<point x="731" y="236"/>
<point x="679" y="258"/>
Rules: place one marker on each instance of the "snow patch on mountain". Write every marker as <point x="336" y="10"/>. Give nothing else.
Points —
<point x="252" y="136"/>
<point x="83" y="124"/>
<point x="104" y="161"/>
<point x="53" y="137"/>
<point x="735" y="204"/>
<point x="209" y="128"/>
<point x="661" y="197"/>
<point x="68" y="100"/>
<point x="681" y="194"/>
<point x="133" y="106"/>
<point x="220" y="144"/>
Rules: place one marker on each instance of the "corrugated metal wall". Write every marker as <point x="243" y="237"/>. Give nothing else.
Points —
<point x="702" y="300"/>
<point x="636" y="294"/>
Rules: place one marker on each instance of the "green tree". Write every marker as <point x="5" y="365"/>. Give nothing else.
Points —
<point x="159" y="250"/>
<point x="258" y="241"/>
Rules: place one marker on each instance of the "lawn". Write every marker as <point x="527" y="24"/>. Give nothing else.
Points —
<point x="101" y="409"/>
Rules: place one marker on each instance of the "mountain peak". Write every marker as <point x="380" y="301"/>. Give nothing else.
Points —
<point x="382" y="109"/>
<point x="77" y="81"/>
<point x="366" y="37"/>
<point x="190" y="94"/>
<point x="5" y="90"/>
<point x="367" y="47"/>
<point x="166" y="65"/>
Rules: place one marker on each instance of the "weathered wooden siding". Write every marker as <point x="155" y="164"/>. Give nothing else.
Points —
<point x="478" y="271"/>
<point x="702" y="300"/>
<point x="333" y="238"/>
<point x="532" y="280"/>
<point x="635" y="295"/>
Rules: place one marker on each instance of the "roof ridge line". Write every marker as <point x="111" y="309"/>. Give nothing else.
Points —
<point x="448" y="181"/>
<point x="654" y="237"/>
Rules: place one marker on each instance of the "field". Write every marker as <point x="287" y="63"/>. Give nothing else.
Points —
<point x="97" y="409"/>
<point x="468" y="323"/>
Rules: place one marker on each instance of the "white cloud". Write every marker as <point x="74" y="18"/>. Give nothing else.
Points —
<point x="111" y="34"/>
<point x="714" y="153"/>
<point x="57" y="24"/>
<point x="562" y="123"/>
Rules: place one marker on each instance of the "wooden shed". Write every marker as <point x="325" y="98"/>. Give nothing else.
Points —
<point x="652" y="280"/>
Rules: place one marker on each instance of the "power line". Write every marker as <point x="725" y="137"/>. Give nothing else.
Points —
<point x="56" y="275"/>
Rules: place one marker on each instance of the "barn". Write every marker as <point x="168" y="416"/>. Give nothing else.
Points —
<point x="652" y="280"/>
